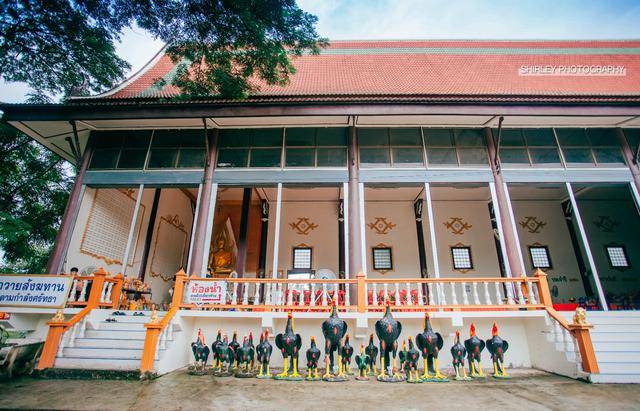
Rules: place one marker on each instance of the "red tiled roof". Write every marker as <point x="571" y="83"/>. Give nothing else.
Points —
<point x="410" y="69"/>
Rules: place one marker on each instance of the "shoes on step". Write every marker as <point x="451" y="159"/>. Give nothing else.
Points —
<point x="111" y="320"/>
<point x="118" y="313"/>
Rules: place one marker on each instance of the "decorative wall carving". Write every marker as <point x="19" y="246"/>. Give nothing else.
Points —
<point x="457" y="225"/>
<point x="532" y="225"/>
<point x="381" y="226"/>
<point x="606" y="224"/>
<point x="303" y="225"/>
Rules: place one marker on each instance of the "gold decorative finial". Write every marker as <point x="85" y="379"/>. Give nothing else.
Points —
<point x="580" y="316"/>
<point x="154" y="316"/>
<point x="58" y="318"/>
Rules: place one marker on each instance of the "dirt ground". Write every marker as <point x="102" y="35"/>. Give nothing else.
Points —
<point x="525" y="390"/>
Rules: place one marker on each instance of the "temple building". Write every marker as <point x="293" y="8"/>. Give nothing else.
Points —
<point x="445" y="173"/>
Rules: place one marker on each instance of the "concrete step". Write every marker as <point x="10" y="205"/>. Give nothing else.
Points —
<point x="122" y="326"/>
<point x="620" y="336"/>
<point x="615" y="346"/>
<point x="122" y="335"/>
<point x="615" y="378"/>
<point x="619" y="367"/>
<point x="131" y="319"/>
<point x="110" y="343"/>
<point x="97" y="363"/>
<point x="617" y="327"/>
<point x="91" y="352"/>
<point x="618" y="356"/>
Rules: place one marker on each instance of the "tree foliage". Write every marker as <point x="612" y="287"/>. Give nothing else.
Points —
<point x="33" y="194"/>
<point x="68" y="46"/>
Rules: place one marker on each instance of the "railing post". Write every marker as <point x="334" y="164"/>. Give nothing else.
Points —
<point x="178" y="289"/>
<point x="50" y="348"/>
<point x="585" y="345"/>
<point x="150" y="346"/>
<point x="116" y="291"/>
<point x="543" y="288"/>
<point x="96" y="288"/>
<point x="362" y="292"/>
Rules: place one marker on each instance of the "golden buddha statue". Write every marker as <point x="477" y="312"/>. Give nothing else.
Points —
<point x="221" y="259"/>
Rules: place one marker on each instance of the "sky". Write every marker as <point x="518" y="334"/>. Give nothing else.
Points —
<point x="432" y="19"/>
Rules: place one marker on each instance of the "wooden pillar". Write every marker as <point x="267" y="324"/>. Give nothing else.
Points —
<point x="422" y="255"/>
<point x="502" y="210"/>
<point x="629" y="156"/>
<point x="356" y="249"/>
<point x="63" y="238"/>
<point x="264" y="237"/>
<point x="147" y="241"/>
<point x="276" y="234"/>
<point x="204" y="212"/>
<point x="241" y="261"/>
<point x="341" y="256"/>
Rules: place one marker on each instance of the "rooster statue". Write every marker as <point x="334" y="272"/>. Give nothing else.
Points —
<point x="313" y="356"/>
<point x="458" y="352"/>
<point x="474" y="346"/>
<point x="263" y="352"/>
<point x="497" y="347"/>
<point x="363" y="362"/>
<point x="225" y="356"/>
<point x="244" y="357"/>
<point x="388" y="330"/>
<point x="346" y="352"/>
<point x="372" y="353"/>
<point x="200" y="352"/>
<point x="333" y="329"/>
<point x="289" y="344"/>
<point x="430" y="343"/>
<point x="410" y="358"/>
<point x="234" y="345"/>
<point x="214" y="349"/>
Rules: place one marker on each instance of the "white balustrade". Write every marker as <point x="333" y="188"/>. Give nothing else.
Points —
<point x="519" y="291"/>
<point x="509" y="288"/>
<point x="397" y="293"/>
<point x="324" y="294"/>
<point x="347" y="294"/>
<point x="83" y="292"/>
<point x="532" y="297"/>
<point x="474" y="288"/>
<point x="234" y="294"/>
<point x="290" y="289"/>
<point x="498" y="293"/>
<point x="454" y="296"/>
<point x="385" y="293"/>
<point x="375" y="294"/>
<point x="72" y="296"/>
<point x="245" y="294"/>
<point x="256" y="296"/>
<point x="420" y="296"/>
<point x="487" y="296"/>
<point x="431" y="296"/>
<point x="313" y="294"/>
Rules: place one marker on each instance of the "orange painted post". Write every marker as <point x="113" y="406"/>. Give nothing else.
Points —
<point x="96" y="288"/>
<point x="150" y="344"/>
<point x="587" y="353"/>
<point x="50" y="348"/>
<point x="362" y="292"/>
<point x="116" y="291"/>
<point x="543" y="288"/>
<point x="178" y="289"/>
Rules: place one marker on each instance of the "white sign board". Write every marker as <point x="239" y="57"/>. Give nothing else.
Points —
<point x="206" y="292"/>
<point x="43" y="291"/>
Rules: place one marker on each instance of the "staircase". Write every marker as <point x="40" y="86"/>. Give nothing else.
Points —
<point x="109" y="345"/>
<point x="616" y="340"/>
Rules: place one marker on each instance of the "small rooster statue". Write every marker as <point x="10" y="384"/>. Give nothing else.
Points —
<point x="289" y="344"/>
<point x="313" y="356"/>
<point x="372" y="353"/>
<point x="474" y="346"/>
<point x="363" y="362"/>
<point x="225" y="358"/>
<point x="430" y="343"/>
<point x="263" y="352"/>
<point x="497" y="347"/>
<point x="458" y="352"/>
<point x="411" y="358"/>
<point x="333" y="329"/>
<point x="234" y="345"/>
<point x="214" y="349"/>
<point x="200" y="352"/>
<point x="244" y="357"/>
<point x="388" y="330"/>
<point x="346" y="352"/>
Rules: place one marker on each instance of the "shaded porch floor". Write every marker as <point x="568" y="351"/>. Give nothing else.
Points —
<point x="526" y="390"/>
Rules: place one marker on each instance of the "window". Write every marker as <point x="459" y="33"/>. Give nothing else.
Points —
<point x="396" y="147"/>
<point x="120" y="149"/>
<point x="539" y="256"/>
<point x="261" y="147"/>
<point x="461" y="256"/>
<point x="633" y="138"/>
<point x="302" y="258"/>
<point x="455" y="147"/>
<point x="617" y="255"/>
<point x="177" y="149"/>
<point x="528" y="147"/>
<point x="590" y="147"/>
<point x="316" y="147"/>
<point x="382" y="260"/>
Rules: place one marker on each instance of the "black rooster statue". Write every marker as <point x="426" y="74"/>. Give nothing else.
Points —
<point x="474" y="346"/>
<point x="313" y="356"/>
<point x="263" y="352"/>
<point x="214" y="349"/>
<point x="334" y="329"/>
<point x="245" y="357"/>
<point x="430" y="343"/>
<point x="234" y="345"/>
<point x="363" y="362"/>
<point x="458" y="352"/>
<point x="372" y="353"/>
<point x="402" y="355"/>
<point x="346" y="352"/>
<point x="411" y="359"/>
<point x="200" y="353"/>
<point x="226" y="357"/>
<point x="388" y="330"/>
<point x="289" y="345"/>
<point x="497" y="347"/>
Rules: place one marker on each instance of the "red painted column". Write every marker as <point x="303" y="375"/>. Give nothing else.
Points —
<point x="200" y="220"/>
<point x="628" y="156"/>
<point x="56" y="259"/>
<point x="513" y="254"/>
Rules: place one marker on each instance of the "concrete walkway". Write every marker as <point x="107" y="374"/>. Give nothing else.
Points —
<point x="526" y="390"/>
